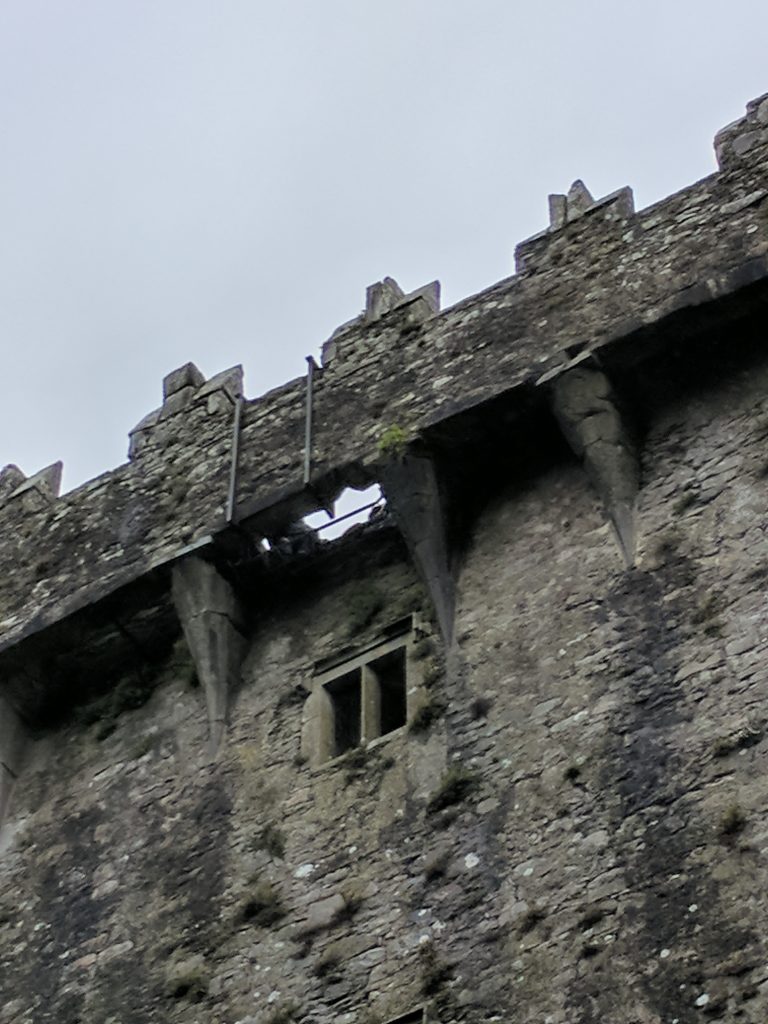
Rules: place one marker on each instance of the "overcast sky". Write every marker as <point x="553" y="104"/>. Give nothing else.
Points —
<point x="219" y="180"/>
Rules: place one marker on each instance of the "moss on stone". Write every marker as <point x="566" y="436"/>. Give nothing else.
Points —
<point x="393" y="442"/>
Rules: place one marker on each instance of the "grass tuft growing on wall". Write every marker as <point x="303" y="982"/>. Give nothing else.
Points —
<point x="262" y="906"/>
<point x="426" y="716"/>
<point x="327" y="964"/>
<point x="271" y="840"/>
<point x="434" y="972"/>
<point x="732" y="821"/>
<point x="187" y="980"/>
<point x="457" y="784"/>
<point x="286" y="1013"/>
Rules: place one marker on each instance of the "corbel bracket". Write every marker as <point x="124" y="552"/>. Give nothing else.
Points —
<point x="212" y="621"/>
<point x="411" y="487"/>
<point x="590" y="418"/>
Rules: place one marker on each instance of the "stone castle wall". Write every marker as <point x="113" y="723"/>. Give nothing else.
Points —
<point x="570" y="825"/>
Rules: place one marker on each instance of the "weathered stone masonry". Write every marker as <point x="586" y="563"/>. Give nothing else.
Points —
<point x="564" y="817"/>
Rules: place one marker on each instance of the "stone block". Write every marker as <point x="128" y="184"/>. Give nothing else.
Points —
<point x="322" y="913"/>
<point x="743" y="143"/>
<point x="47" y="482"/>
<point x="229" y="381"/>
<point x="385" y="296"/>
<point x="11" y="478"/>
<point x="557" y="211"/>
<point x="184" y="376"/>
<point x="382" y="297"/>
<point x="578" y="200"/>
<point x="738" y="141"/>
<point x="177" y="401"/>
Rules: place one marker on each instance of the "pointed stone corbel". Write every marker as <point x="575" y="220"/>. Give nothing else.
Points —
<point x="13" y="736"/>
<point x="411" y="488"/>
<point x="211" y="618"/>
<point x="591" y="421"/>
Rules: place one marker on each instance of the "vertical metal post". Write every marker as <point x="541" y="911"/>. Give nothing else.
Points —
<point x="231" y="494"/>
<point x="311" y="367"/>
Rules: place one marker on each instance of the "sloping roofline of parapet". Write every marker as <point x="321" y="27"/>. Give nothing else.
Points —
<point x="600" y="275"/>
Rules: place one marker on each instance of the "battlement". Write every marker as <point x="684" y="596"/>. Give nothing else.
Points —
<point x="184" y="389"/>
<point x="744" y="142"/>
<point x="599" y="275"/>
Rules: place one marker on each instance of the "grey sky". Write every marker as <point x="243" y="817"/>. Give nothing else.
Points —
<point x="219" y="181"/>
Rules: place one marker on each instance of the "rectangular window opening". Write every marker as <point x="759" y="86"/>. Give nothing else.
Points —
<point x="345" y="695"/>
<point x="390" y="674"/>
<point x="365" y="693"/>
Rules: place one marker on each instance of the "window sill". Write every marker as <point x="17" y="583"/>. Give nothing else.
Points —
<point x="380" y="741"/>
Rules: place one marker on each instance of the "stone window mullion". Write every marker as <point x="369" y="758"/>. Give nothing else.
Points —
<point x="370" y="705"/>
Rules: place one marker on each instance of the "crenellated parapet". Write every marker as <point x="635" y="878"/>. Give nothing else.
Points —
<point x="576" y="220"/>
<point x="11" y="478"/>
<point x="385" y="296"/>
<point x="184" y="389"/>
<point x="745" y="141"/>
<point x="602" y="279"/>
<point x="33" y="492"/>
<point x="382" y="299"/>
